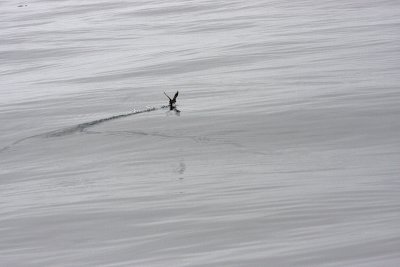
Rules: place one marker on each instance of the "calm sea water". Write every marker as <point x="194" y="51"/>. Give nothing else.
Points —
<point x="286" y="151"/>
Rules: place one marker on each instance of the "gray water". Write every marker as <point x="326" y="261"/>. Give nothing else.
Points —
<point x="286" y="151"/>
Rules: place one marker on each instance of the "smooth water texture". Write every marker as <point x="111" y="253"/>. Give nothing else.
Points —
<point x="286" y="151"/>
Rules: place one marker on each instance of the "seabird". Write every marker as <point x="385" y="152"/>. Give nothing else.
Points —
<point x="172" y="102"/>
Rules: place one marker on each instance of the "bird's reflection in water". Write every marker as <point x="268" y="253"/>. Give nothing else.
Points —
<point x="174" y="111"/>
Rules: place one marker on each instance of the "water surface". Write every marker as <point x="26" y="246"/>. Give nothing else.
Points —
<point x="286" y="152"/>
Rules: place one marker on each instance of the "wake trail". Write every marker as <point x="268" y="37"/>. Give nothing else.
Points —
<point x="81" y="127"/>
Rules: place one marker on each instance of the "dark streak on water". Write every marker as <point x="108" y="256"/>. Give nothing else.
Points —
<point x="81" y="127"/>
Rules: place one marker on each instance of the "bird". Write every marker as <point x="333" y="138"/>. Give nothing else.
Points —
<point x="172" y="102"/>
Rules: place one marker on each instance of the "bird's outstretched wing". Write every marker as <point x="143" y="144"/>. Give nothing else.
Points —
<point x="175" y="96"/>
<point x="167" y="96"/>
